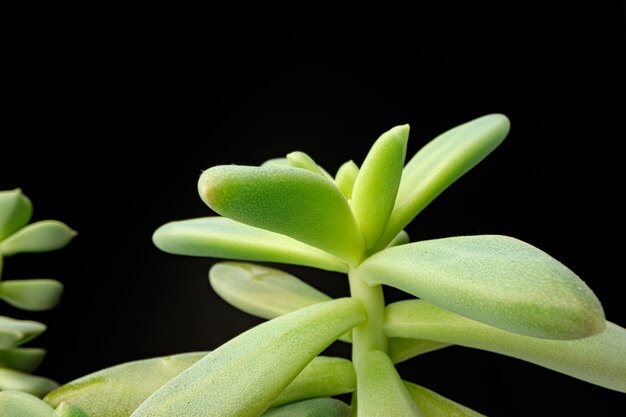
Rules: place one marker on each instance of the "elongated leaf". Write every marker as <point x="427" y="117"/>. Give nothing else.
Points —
<point x="69" y="410"/>
<point x="220" y="237"/>
<point x="376" y="186"/>
<point x="319" y="407"/>
<point x="31" y="294"/>
<point x="38" y="386"/>
<point x="21" y="359"/>
<point x="441" y="162"/>
<point x="117" y="391"/>
<point x="323" y="377"/>
<point x="346" y="177"/>
<point x="599" y="359"/>
<point x="380" y="391"/>
<point x="435" y="405"/>
<point x="15" y="332"/>
<point x="498" y="280"/>
<point x="15" y="211"/>
<point x="21" y="404"/>
<point x="401" y="349"/>
<point x="43" y="236"/>
<point x="242" y="377"/>
<point x="293" y="202"/>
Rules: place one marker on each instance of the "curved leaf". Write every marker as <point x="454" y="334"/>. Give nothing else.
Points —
<point x="345" y="178"/>
<point x="21" y="359"/>
<point x="293" y="202"/>
<point x="435" y="405"/>
<point x="376" y="186"/>
<point x="498" y="280"/>
<point x="21" y="404"/>
<point x="599" y="359"/>
<point x="242" y="377"/>
<point x="38" y="386"/>
<point x="401" y="349"/>
<point x="402" y="238"/>
<point x="319" y="407"/>
<point x="69" y="410"/>
<point x="15" y="332"/>
<point x="15" y="211"/>
<point x="441" y="162"/>
<point x="380" y="391"/>
<point x="282" y="162"/>
<point x="31" y="294"/>
<point x="299" y="159"/>
<point x="43" y="236"/>
<point x="117" y="391"/>
<point x="220" y="237"/>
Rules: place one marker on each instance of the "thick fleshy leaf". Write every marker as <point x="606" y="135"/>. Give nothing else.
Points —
<point x="117" y="391"/>
<point x="21" y="359"/>
<point x="15" y="211"/>
<point x="31" y="294"/>
<point x="401" y="349"/>
<point x="346" y="177"/>
<point x="435" y="405"/>
<point x="10" y="379"/>
<point x="299" y="159"/>
<point x="441" y="162"/>
<point x="290" y="201"/>
<point x="69" y="410"/>
<point x="498" y="280"/>
<point x="323" y="377"/>
<point x="281" y="162"/>
<point x="244" y="376"/>
<point x="318" y="407"/>
<point x="599" y="359"/>
<point x="220" y="237"/>
<point x="15" y="332"/>
<point x="21" y="404"/>
<point x="376" y="186"/>
<point x="380" y="391"/>
<point x="43" y="236"/>
<point x="401" y="238"/>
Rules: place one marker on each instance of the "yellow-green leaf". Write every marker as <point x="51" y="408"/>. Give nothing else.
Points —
<point x="435" y="405"/>
<point x="21" y="404"/>
<point x="21" y="359"/>
<point x="15" y="211"/>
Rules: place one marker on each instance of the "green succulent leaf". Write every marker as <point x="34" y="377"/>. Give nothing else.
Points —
<point x="299" y="159"/>
<point x="15" y="332"/>
<point x="21" y="404"/>
<point x="242" y="377"/>
<point x="346" y="177"/>
<point x="402" y="238"/>
<point x="42" y="236"/>
<point x="220" y="237"/>
<point x="376" y="186"/>
<point x="69" y="410"/>
<point x="31" y="294"/>
<point x="21" y="359"/>
<point x="10" y="379"/>
<point x="402" y="349"/>
<point x="494" y="279"/>
<point x="117" y="391"/>
<point x="380" y="391"/>
<point x="15" y="211"/>
<point x="598" y="359"/>
<point x="293" y="202"/>
<point x="281" y="162"/>
<point x="440" y="163"/>
<point x="435" y="405"/>
<point x="318" y="407"/>
<point x="323" y="377"/>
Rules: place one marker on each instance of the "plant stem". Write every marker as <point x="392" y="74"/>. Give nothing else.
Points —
<point x="367" y="336"/>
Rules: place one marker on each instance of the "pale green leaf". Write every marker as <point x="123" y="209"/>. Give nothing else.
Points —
<point x="220" y="237"/>
<point x="299" y="159"/>
<point x="66" y="409"/>
<point x="15" y="211"/>
<point x="42" y="236"/>
<point x="117" y="391"/>
<point x="498" y="280"/>
<point x="21" y="359"/>
<point x="402" y="238"/>
<point x="282" y="162"/>
<point x="599" y="359"/>
<point x="243" y="376"/>
<point x="293" y="202"/>
<point x="318" y="407"/>
<point x="376" y="185"/>
<point x="14" y="332"/>
<point x="435" y="405"/>
<point x="21" y="404"/>
<point x="10" y="379"/>
<point x="440" y="163"/>
<point x="380" y="391"/>
<point x="323" y="377"/>
<point x="31" y="294"/>
<point x="401" y="349"/>
<point x="345" y="178"/>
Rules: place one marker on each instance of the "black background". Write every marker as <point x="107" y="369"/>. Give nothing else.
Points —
<point x="109" y="119"/>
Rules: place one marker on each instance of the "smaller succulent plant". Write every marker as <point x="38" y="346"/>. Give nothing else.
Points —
<point x="17" y="236"/>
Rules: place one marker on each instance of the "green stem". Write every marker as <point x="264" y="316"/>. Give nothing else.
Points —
<point x="368" y="336"/>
